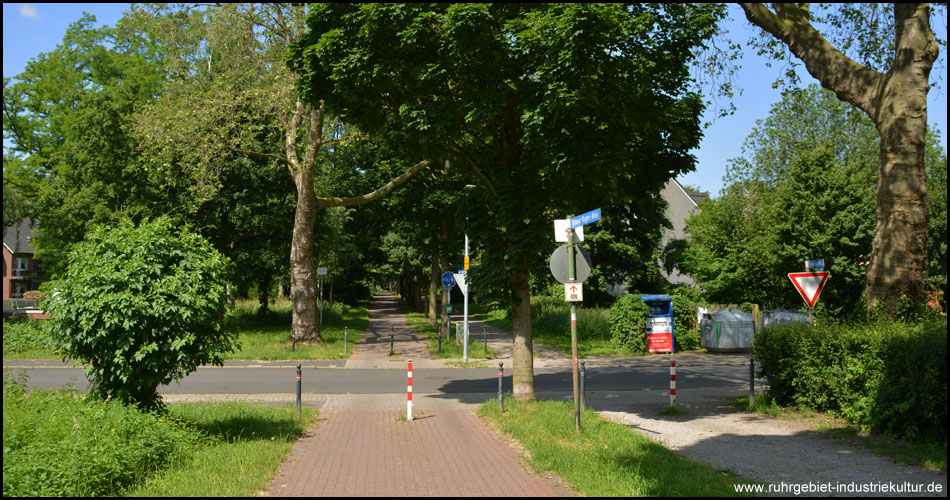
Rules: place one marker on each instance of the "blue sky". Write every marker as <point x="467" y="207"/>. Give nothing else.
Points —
<point x="30" y="29"/>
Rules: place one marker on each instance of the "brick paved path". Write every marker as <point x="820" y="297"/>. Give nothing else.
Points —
<point x="362" y="444"/>
<point x="386" y="317"/>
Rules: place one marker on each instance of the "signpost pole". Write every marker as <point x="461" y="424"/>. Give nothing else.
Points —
<point x="465" y="313"/>
<point x="571" y="277"/>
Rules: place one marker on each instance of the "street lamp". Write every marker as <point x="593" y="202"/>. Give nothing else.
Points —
<point x="466" y="189"/>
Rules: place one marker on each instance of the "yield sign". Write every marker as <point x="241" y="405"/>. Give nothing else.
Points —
<point x="809" y="285"/>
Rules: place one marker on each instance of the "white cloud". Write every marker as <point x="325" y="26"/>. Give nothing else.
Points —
<point x="27" y="10"/>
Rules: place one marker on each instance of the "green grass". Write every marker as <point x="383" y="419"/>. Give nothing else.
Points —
<point x="242" y="449"/>
<point x="264" y="339"/>
<point x="450" y="350"/>
<point x="551" y="327"/>
<point x="26" y="339"/>
<point x="269" y="339"/>
<point x="673" y="411"/>
<point x="607" y="458"/>
<point x="928" y="456"/>
<point x="60" y="443"/>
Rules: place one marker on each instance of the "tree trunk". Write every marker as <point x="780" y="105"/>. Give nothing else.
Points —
<point x="896" y="101"/>
<point x="899" y="248"/>
<point x="523" y="351"/>
<point x="444" y="264"/>
<point x="446" y="298"/>
<point x="433" y="288"/>
<point x="263" y="297"/>
<point x="303" y="277"/>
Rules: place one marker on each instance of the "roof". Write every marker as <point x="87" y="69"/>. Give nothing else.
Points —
<point x="697" y="197"/>
<point x="18" y="237"/>
<point x="694" y="196"/>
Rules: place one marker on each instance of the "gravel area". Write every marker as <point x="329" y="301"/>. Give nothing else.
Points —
<point x="787" y="455"/>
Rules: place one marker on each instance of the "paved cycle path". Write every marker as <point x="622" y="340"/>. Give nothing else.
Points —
<point x="362" y="445"/>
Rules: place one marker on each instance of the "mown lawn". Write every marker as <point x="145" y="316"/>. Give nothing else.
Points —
<point x="606" y="458"/>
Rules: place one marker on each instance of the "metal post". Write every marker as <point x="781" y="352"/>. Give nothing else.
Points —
<point x="321" y="300"/>
<point x="583" y="376"/>
<point x="485" y="340"/>
<point x="346" y="332"/>
<point x="751" y="383"/>
<point x="293" y="342"/>
<point x="501" y="397"/>
<point x="298" y="389"/>
<point x="391" y="333"/>
<point x="440" y="340"/>
<point x="467" y="290"/>
<point x="571" y="277"/>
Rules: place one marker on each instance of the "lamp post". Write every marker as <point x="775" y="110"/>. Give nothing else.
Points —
<point x="468" y="285"/>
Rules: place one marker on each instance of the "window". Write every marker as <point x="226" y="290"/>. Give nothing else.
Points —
<point x="21" y="266"/>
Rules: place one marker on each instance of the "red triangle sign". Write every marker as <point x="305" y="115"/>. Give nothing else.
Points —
<point x="809" y="285"/>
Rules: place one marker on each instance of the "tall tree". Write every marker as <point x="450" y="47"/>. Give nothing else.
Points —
<point x="233" y="90"/>
<point x="803" y="189"/>
<point x="555" y="108"/>
<point x="68" y="117"/>
<point x="890" y="85"/>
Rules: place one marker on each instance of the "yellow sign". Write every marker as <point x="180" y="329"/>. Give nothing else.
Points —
<point x="466" y="262"/>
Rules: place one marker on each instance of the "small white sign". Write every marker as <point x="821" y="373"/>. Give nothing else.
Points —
<point x="322" y="271"/>
<point x="659" y="325"/>
<point x="573" y="292"/>
<point x="560" y="230"/>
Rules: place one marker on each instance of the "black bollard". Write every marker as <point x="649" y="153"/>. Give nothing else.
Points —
<point x="583" y="374"/>
<point x="501" y="397"/>
<point x="298" y="389"/>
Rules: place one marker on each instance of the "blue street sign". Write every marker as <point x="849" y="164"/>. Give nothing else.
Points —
<point x="815" y="265"/>
<point x="448" y="280"/>
<point x="580" y="220"/>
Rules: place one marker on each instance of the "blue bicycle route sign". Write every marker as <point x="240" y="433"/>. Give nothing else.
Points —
<point x="448" y="280"/>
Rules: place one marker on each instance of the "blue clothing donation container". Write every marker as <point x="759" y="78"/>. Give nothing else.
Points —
<point x="659" y="327"/>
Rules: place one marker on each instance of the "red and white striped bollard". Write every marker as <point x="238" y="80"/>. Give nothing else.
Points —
<point x="409" y="403"/>
<point x="672" y="380"/>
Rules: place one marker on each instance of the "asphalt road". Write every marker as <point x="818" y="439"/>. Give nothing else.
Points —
<point x="269" y="380"/>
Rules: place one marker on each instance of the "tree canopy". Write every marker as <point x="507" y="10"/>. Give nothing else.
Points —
<point x="553" y="109"/>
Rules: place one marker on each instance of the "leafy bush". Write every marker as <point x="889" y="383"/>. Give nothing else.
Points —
<point x="56" y="443"/>
<point x="25" y="335"/>
<point x="628" y="318"/>
<point x="913" y="401"/>
<point x="685" y="325"/>
<point x="140" y="307"/>
<point x="886" y="376"/>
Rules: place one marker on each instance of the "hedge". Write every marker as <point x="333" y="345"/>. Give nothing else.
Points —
<point x="887" y="376"/>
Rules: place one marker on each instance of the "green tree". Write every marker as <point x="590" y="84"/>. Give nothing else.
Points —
<point x="889" y="82"/>
<point x="554" y="108"/>
<point x="804" y="189"/>
<point x="230" y="95"/>
<point x="140" y="307"/>
<point x="67" y="116"/>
